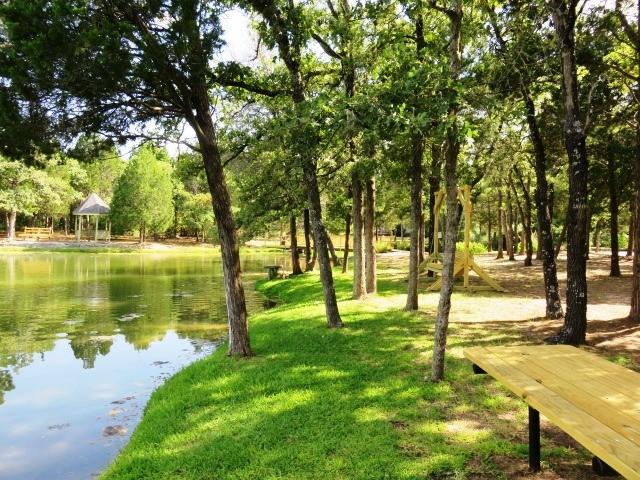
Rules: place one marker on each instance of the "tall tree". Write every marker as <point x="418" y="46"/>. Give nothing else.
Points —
<point x="632" y="32"/>
<point x="285" y="24"/>
<point x="145" y="63"/>
<point x="564" y="17"/>
<point x="455" y="14"/>
<point x="143" y="197"/>
<point x="514" y="57"/>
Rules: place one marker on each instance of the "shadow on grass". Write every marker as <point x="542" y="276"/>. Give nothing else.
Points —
<point x="317" y="403"/>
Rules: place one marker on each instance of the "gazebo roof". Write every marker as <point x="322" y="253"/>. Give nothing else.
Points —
<point x="92" y="205"/>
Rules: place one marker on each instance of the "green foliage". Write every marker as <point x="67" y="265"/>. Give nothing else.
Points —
<point x="474" y="247"/>
<point x="143" y="197"/>
<point x="20" y="187"/>
<point x="383" y="247"/>
<point x="197" y="214"/>
<point x="403" y="245"/>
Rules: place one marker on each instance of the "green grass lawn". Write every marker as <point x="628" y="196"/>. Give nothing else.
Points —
<point x="316" y="403"/>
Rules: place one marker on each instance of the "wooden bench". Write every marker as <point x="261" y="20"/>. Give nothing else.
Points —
<point x="593" y="400"/>
<point x="37" y="232"/>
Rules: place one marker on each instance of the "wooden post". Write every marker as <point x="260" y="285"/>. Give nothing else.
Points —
<point x="96" y="232"/>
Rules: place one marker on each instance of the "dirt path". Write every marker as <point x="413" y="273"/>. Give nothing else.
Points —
<point x="522" y="307"/>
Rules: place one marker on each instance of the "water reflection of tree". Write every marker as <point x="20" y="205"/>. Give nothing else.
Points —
<point x="91" y="298"/>
<point x="6" y="384"/>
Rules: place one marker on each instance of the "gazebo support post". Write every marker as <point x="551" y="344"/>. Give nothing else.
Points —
<point x="96" y="233"/>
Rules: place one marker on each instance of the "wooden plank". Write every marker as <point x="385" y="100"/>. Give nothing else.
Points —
<point x="601" y="440"/>
<point x="585" y="395"/>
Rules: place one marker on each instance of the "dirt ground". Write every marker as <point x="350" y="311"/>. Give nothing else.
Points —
<point x="523" y="304"/>
<point x="522" y="307"/>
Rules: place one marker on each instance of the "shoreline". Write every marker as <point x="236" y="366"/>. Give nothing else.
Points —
<point x="71" y="246"/>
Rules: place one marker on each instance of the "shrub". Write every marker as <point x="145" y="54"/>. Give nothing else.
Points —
<point x="474" y="247"/>
<point x="403" y="245"/>
<point x="382" y="247"/>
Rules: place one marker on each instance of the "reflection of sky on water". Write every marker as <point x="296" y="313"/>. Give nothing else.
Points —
<point x="85" y="339"/>
<point x="54" y="419"/>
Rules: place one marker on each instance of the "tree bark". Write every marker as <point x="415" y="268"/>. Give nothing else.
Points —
<point x="509" y="229"/>
<point x="295" y="256"/>
<point x="415" y="173"/>
<point x="561" y="239"/>
<point x="369" y="235"/>
<point x="543" y="198"/>
<point x="575" y="321"/>
<point x="332" y="251"/>
<point x="489" y="243"/>
<point x="359" y="275"/>
<point x="314" y="256"/>
<point x="612" y="183"/>
<point x="434" y="187"/>
<point x="451" y="187"/>
<point x="500" y="223"/>
<point x="308" y="265"/>
<point x="421" y="240"/>
<point x="525" y="216"/>
<point x="632" y="222"/>
<point x="345" y="254"/>
<point x="11" y="224"/>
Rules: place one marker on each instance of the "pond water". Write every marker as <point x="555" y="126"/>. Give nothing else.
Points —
<point x="84" y="340"/>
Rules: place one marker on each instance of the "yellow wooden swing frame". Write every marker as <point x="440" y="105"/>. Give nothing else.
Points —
<point x="464" y="260"/>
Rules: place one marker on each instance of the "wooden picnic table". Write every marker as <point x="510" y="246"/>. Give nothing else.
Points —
<point x="595" y="401"/>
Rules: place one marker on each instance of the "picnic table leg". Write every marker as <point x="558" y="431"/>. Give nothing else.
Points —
<point x="477" y="369"/>
<point x="534" y="440"/>
<point x="602" y="468"/>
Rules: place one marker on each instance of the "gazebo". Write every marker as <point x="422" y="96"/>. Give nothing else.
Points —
<point x="93" y="206"/>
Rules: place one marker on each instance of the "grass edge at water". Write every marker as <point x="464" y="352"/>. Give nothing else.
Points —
<point x="321" y="403"/>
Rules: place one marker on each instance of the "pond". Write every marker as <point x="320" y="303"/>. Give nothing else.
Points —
<point x="84" y="340"/>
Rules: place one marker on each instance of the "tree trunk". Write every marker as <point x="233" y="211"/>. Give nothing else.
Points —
<point x="525" y="213"/>
<point x="359" y="274"/>
<point x="239" y="344"/>
<point x="575" y="321"/>
<point x="561" y="239"/>
<point x="509" y="229"/>
<point x="596" y="236"/>
<point x="612" y="183"/>
<point x="11" y="224"/>
<point x="500" y="224"/>
<point x="314" y="256"/>
<point x="308" y="265"/>
<point x="345" y="254"/>
<point x="295" y="256"/>
<point x="434" y="187"/>
<point x="415" y="173"/>
<point x="421" y="240"/>
<point x="544" y="197"/>
<point x="451" y="187"/>
<point x="632" y="222"/>
<point x="332" y="252"/>
<point x="369" y="235"/>
<point x="320" y="237"/>
<point x="489" y="243"/>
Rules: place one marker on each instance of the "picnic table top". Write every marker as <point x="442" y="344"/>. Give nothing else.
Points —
<point x="595" y="401"/>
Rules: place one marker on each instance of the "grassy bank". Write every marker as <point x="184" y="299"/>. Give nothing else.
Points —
<point x="316" y="403"/>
